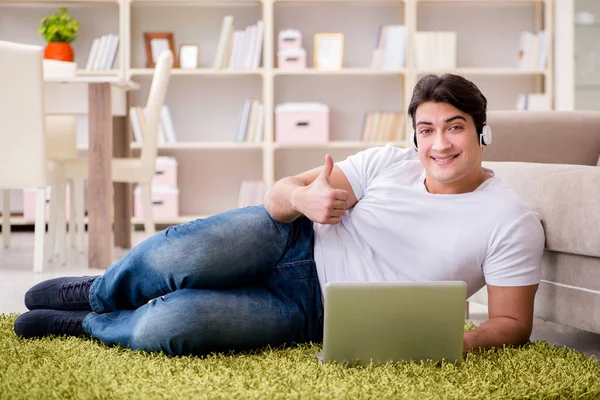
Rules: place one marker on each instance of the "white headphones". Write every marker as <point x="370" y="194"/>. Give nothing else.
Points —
<point x="485" y="137"/>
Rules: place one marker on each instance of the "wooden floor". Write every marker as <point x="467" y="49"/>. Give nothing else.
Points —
<point x="17" y="276"/>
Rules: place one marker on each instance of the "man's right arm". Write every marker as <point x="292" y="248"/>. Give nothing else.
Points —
<point x="322" y="194"/>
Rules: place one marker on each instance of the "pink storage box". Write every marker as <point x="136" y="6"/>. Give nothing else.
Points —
<point x="166" y="172"/>
<point x="29" y="204"/>
<point x="165" y="203"/>
<point x="289" y="39"/>
<point x="16" y="202"/>
<point x="291" y="59"/>
<point x="302" y="123"/>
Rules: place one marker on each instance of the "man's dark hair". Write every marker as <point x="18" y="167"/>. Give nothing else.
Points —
<point x="451" y="89"/>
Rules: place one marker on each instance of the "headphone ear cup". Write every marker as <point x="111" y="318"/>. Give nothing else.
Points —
<point x="414" y="141"/>
<point x="486" y="135"/>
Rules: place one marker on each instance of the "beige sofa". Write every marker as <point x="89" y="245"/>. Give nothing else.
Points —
<point x="552" y="159"/>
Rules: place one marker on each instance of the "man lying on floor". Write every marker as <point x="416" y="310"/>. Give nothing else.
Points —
<point x="254" y="276"/>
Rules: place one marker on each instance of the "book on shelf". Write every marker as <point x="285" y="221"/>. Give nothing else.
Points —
<point x="252" y="193"/>
<point x="103" y="53"/>
<point x="166" y="129"/>
<point x="533" y="50"/>
<point x="390" y="48"/>
<point x="383" y="126"/>
<point x="533" y="102"/>
<point x="241" y="48"/>
<point x="435" y="50"/>
<point x="251" y="122"/>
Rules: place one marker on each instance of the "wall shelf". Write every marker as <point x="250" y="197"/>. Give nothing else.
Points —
<point x="199" y="71"/>
<point x="487" y="71"/>
<point x="343" y="71"/>
<point x="342" y="144"/>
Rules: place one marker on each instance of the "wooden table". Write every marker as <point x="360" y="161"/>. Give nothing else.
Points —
<point x="94" y="96"/>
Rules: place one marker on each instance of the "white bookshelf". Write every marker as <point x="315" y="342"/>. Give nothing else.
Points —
<point x="200" y="71"/>
<point x="206" y="103"/>
<point x="344" y="71"/>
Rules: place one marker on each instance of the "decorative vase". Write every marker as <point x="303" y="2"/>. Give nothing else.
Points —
<point x="61" y="51"/>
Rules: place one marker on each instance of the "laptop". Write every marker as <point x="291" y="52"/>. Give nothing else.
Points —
<point x="383" y="322"/>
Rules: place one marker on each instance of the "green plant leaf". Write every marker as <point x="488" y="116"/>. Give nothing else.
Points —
<point x="59" y="27"/>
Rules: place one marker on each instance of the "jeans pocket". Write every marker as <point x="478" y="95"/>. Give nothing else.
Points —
<point x="305" y="269"/>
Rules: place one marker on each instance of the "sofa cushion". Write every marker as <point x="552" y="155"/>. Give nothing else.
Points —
<point x="566" y="198"/>
<point x="572" y="270"/>
<point x="568" y="306"/>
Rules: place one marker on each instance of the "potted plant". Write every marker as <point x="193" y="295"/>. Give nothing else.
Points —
<point x="59" y="30"/>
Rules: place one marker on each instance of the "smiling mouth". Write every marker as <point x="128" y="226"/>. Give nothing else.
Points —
<point x="444" y="160"/>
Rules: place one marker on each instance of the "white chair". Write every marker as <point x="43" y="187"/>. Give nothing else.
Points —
<point x="130" y="170"/>
<point x="61" y="146"/>
<point x="23" y="161"/>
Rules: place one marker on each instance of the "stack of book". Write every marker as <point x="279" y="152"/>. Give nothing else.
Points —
<point x="390" y="48"/>
<point x="166" y="129"/>
<point x="533" y="52"/>
<point x="239" y="49"/>
<point x="383" y="126"/>
<point x="252" y="193"/>
<point x="435" y="50"/>
<point x="103" y="53"/>
<point x="251" y="123"/>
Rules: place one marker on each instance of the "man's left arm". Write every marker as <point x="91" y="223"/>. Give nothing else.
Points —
<point x="510" y="320"/>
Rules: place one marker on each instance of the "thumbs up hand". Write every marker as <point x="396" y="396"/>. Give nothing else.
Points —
<point x="320" y="201"/>
<point x="327" y="169"/>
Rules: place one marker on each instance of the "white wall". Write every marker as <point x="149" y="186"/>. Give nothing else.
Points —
<point x="564" y="64"/>
<point x="577" y="56"/>
<point x="587" y="57"/>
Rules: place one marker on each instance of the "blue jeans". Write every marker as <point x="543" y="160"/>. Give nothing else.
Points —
<point x="235" y="281"/>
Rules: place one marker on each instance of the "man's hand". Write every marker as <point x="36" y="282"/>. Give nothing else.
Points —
<point x="322" y="194"/>
<point x="510" y="318"/>
<point x="319" y="201"/>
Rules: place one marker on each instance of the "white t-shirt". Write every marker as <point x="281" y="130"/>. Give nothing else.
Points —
<point x="398" y="231"/>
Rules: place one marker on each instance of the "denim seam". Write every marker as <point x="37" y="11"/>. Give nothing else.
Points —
<point x="283" y="268"/>
<point x="92" y="297"/>
<point x="84" y="323"/>
<point x="292" y="263"/>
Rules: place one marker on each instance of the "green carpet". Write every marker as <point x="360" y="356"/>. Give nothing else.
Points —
<point x="75" y="368"/>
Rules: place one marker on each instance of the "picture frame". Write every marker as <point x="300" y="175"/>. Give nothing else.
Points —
<point x="188" y="56"/>
<point x="155" y="43"/>
<point x="328" y="51"/>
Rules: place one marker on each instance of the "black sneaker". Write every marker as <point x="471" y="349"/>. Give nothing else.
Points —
<point x="61" y="294"/>
<point x="40" y="323"/>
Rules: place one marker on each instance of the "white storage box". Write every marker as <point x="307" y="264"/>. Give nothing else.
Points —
<point x="302" y="123"/>
<point x="54" y="69"/>
<point x="165" y="203"/>
<point x="166" y="172"/>
<point x="289" y="39"/>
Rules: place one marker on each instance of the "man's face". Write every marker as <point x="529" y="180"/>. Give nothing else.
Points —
<point x="448" y="146"/>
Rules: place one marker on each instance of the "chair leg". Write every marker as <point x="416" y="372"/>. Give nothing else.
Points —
<point x="52" y="224"/>
<point x="61" y="221"/>
<point x="40" y="229"/>
<point x="78" y="213"/>
<point x="6" y="217"/>
<point x="146" y="192"/>
<point x="71" y="214"/>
